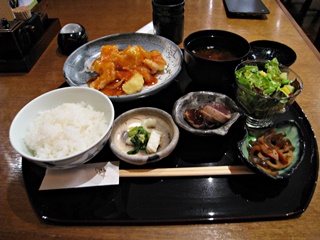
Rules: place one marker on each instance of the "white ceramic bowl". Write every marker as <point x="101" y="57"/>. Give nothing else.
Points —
<point x="134" y="117"/>
<point x="50" y="100"/>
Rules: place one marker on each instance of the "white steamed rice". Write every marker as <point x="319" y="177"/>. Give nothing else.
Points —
<point x="65" y="130"/>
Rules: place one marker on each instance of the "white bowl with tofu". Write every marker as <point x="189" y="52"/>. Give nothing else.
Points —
<point x="143" y="135"/>
<point x="205" y="113"/>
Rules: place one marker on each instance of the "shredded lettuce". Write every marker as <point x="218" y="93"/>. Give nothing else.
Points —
<point x="269" y="82"/>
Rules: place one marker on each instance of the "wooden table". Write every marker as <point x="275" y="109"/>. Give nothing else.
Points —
<point x="100" y="18"/>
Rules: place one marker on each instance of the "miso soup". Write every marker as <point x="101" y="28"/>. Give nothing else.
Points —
<point x="213" y="53"/>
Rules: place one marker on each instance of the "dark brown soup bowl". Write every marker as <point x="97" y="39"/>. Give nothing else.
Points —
<point x="211" y="56"/>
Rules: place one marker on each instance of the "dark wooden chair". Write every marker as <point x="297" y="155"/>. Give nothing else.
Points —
<point x="305" y="7"/>
<point x="303" y="11"/>
<point x="317" y="40"/>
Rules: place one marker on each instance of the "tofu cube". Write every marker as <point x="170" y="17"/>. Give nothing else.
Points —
<point x="154" y="141"/>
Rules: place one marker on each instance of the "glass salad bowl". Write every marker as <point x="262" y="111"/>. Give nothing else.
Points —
<point x="265" y="89"/>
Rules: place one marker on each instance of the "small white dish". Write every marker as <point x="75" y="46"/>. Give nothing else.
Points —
<point x="135" y="117"/>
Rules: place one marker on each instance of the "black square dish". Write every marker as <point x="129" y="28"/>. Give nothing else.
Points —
<point x="245" y="8"/>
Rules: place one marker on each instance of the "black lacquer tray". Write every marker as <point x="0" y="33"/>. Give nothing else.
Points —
<point x="175" y="200"/>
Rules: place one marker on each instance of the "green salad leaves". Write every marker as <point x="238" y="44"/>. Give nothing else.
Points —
<point x="265" y="89"/>
<point x="270" y="82"/>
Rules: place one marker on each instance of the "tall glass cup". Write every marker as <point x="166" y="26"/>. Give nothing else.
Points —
<point x="168" y="19"/>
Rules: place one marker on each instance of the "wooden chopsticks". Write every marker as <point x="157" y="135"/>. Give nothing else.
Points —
<point x="186" y="171"/>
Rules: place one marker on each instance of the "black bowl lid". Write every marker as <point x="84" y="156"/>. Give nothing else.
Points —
<point x="266" y="49"/>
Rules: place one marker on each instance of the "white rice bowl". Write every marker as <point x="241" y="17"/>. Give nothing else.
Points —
<point x="63" y="128"/>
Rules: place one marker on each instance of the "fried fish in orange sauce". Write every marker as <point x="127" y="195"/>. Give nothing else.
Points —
<point x="126" y="71"/>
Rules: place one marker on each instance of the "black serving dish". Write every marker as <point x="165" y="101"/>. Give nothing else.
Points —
<point x="266" y="49"/>
<point x="173" y="200"/>
<point x="246" y="9"/>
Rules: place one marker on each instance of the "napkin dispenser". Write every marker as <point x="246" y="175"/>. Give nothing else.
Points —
<point x="22" y="42"/>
